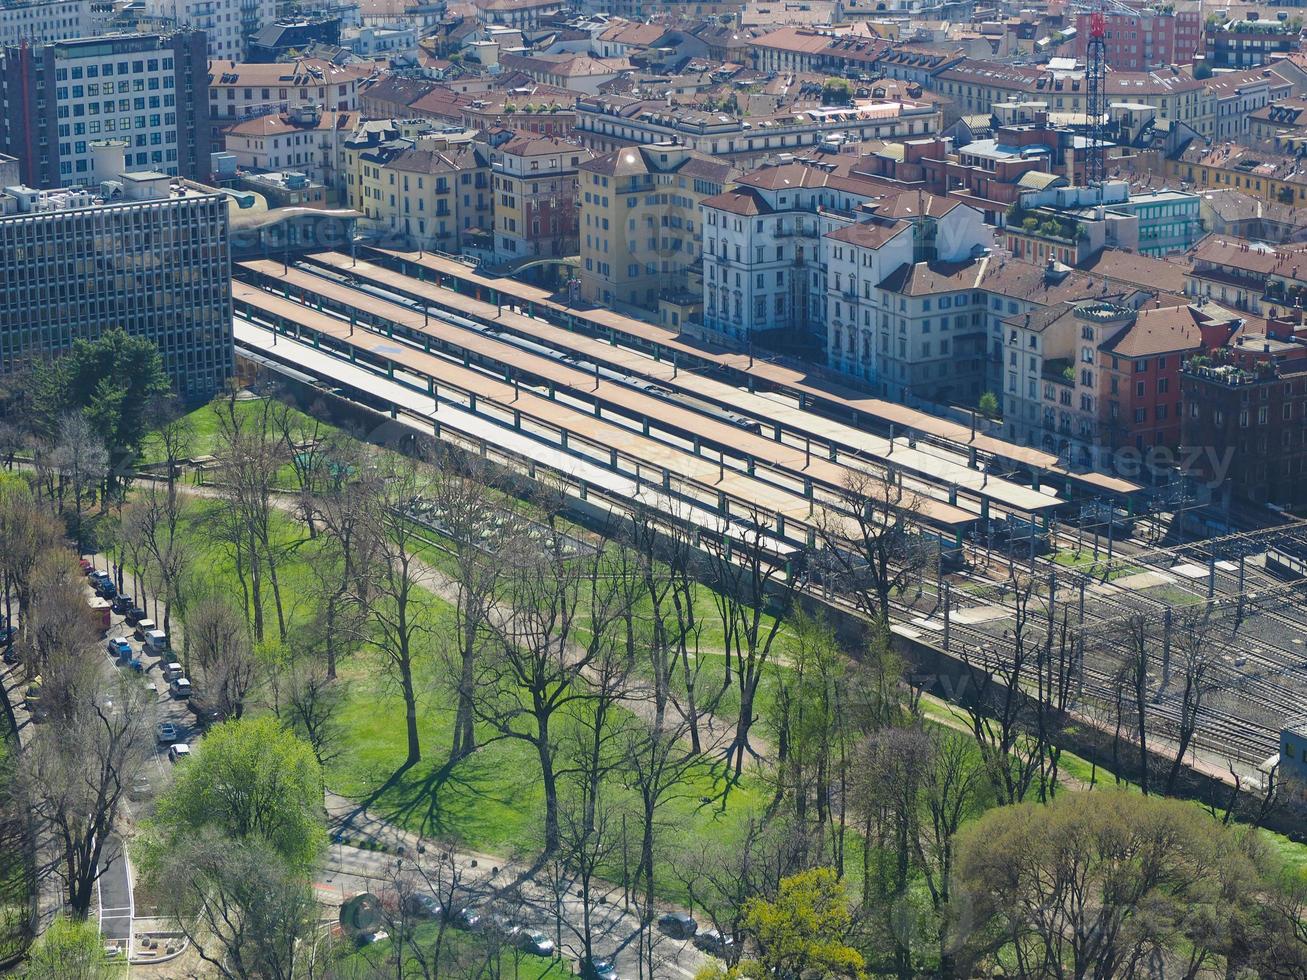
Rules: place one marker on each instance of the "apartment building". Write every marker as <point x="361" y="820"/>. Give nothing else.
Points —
<point x="146" y="89"/>
<point x="535" y="196"/>
<point x="1276" y="178"/>
<point x="43" y="21"/>
<point x="306" y="139"/>
<point x="640" y="230"/>
<point x="1265" y="280"/>
<point x="977" y="86"/>
<point x="904" y="302"/>
<point x="1238" y="96"/>
<point x="1245" y="405"/>
<point x="162" y="270"/>
<point x="239" y="91"/>
<point x="1251" y="42"/>
<point x="227" y="24"/>
<point x="431" y="190"/>
<point x="605" y="123"/>
<point x="1144" y="39"/>
<point x="763" y="258"/>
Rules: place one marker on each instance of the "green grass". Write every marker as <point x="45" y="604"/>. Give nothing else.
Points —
<point x="1083" y="561"/>
<point x="204" y="430"/>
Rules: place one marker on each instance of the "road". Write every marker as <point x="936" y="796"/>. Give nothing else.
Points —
<point x="514" y="890"/>
<point x="114" y="890"/>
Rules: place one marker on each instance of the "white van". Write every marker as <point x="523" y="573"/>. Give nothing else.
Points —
<point x="178" y="752"/>
<point x="156" y="641"/>
<point x="172" y="670"/>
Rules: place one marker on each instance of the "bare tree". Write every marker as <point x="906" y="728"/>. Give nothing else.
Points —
<point x="157" y="530"/>
<point x="871" y="540"/>
<point x="309" y="702"/>
<point x="243" y="911"/>
<point x="589" y="838"/>
<point x="82" y="461"/>
<point x="462" y="506"/>
<point x="76" y="774"/>
<point x="562" y="611"/>
<point x="221" y="657"/>
<point x="999" y="707"/>
<point x="1193" y="635"/>
<point x="752" y="595"/>
<point x="344" y="507"/>
<point x="401" y="613"/>
<point x="251" y="452"/>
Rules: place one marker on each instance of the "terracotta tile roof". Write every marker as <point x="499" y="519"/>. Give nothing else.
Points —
<point x="1161" y="331"/>
<point x="743" y="201"/>
<point x="925" y="278"/>
<point x="869" y="234"/>
<point x="1143" y="271"/>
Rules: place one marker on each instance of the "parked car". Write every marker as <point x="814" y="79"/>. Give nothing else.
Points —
<point x="206" y="713"/>
<point x="534" y="941"/>
<point x="118" y="648"/>
<point x="134" y="615"/>
<point x="179" y="688"/>
<point x="156" y="641"/>
<point x="121" y="603"/>
<point x="178" y="752"/>
<point x="423" y="907"/>
<point x="468" y="917"/>
<point x="165" y="733"/>
<point x="171" y="670"/>
<point x="106" y="589"/>
<point x="140" y="789"/>
<point x="87" y="567"/>
<point x="711" y="941"/>
<point x="598" y="969"/>
<point x="144" y="626"/>
<point x="678" y="925"/>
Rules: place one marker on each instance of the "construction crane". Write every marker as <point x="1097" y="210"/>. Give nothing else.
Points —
<point x="1096" y="79"/>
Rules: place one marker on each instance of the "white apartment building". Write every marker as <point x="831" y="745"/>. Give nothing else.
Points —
<point x="228" y="24"/>
<point x="239" y="91"/>
<point x="762" y="259"/>
<point x="306" y="139"/>
<point x="42" y="21"/>
<point x="905" y="313"/>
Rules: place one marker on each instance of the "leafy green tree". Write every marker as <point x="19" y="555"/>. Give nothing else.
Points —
<point x="113" y="380"/>
<point x="836" y="92"/>
<point x="70" y="949"/>
<point x="251" y="780"/>
<point x="988" y="405"/>
<point x="1100" y="885"/>
<point x="805" y="931"/>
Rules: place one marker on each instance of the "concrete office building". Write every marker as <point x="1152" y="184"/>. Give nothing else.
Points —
<point x="152" y="258"/>
<point x="147" y="89"/>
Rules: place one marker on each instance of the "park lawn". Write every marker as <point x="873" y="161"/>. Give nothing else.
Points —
<point x="204" y="430"/>
<point x="493" y="800"/>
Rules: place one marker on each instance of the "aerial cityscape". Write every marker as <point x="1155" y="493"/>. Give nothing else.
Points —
<point x="653" y="489"/>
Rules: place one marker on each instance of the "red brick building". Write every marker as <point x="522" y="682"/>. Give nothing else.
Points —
<point x="1245" y="418"/>
<point x="1147" y="39"/>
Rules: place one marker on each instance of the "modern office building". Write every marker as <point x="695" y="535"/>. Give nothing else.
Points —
<point x="152" y="258"/>
<point x="147" y="89"/>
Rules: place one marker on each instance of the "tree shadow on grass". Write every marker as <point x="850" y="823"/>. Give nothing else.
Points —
<point x="441" y="800"/>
